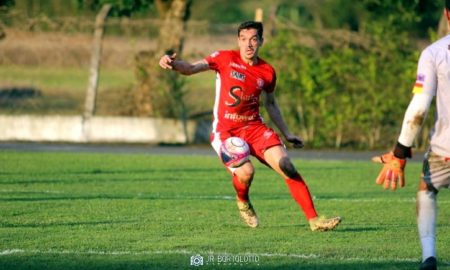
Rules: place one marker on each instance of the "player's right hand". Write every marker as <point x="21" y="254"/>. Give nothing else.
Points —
<point x="166" y="61"/>
<point x="392" y="171"/>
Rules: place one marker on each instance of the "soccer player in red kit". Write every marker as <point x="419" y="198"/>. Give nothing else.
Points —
<point x="242" y="78"/>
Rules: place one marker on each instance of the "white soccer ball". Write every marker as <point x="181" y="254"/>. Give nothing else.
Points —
<point x="234" y="152"/>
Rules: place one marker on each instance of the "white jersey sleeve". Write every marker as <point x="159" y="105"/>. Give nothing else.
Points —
<point x="426" y="80"/>
<point x="433" y="79"/>
<point x="414" y="118"/>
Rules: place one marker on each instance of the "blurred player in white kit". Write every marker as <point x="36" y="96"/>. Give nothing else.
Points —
<point x="433" y="79"/>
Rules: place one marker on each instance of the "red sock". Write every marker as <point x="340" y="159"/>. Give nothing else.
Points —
<point x="241" y="189"/>
<point x="300" y="193"/>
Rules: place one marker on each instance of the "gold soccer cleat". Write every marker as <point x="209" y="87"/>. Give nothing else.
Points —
<point x="247" y="213"/>
<point x="324" y="224"/>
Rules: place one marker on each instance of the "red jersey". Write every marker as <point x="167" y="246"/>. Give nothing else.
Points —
<point x="238" y="89"/>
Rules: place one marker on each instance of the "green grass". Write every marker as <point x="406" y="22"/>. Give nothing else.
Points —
<point x="63" y="79"/>
<point x="76" y="79"/>
<point x="63" y="90"/>
<point x="133" y="211"/>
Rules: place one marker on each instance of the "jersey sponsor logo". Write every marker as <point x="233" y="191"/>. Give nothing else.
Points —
<point x="235" y="65"/>
<point x="239" y="117"/>
<point x="235" y="94"/>
<point x="238" y="76"/>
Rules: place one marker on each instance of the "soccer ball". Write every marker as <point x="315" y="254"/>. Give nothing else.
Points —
<point x="234" y="152"/>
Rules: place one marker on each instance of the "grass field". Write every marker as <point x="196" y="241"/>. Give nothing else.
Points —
<point x="135" y="211"/>
<point x="62" y="90"/>
<point x="58" y="78"/>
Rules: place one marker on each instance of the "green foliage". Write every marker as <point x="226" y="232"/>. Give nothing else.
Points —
<point x="44" y="8"/>
<point x="416" y="16"/>
<point x="333" y="95"/>
<point x="120" y="8"/>
<point x="413" y="16"/>
<point x="349" y="95"/>
<point x="224" y="11"/>
<point x="6" y="3"/>
<point x="58" y="8"/>
<point x="395" y="13"/>
<point x="126" y="8"/>
<point x="323" y="13"/>
<point x="169" y="99"/>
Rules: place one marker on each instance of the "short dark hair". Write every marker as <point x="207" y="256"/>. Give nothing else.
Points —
<point x="255" y="25"/>
<point x="447" y="4"/>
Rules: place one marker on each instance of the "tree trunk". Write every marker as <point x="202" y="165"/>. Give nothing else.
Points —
<point x="338" y="136"/>
<point x="151" y="96"/>
<point x="374" y="136"/>
<point x="171" y="35"/>
<point x="2" y="32"/>
<point x="270" y="26"/>
<point x="159" y="92"/>
<point x="91" y="92"/>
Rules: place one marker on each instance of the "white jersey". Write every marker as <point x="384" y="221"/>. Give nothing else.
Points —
<point x="433" y="77"/>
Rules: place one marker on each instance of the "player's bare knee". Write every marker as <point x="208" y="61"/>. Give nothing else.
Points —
<point x="287" y="167"/>
<point x="245" y="179"/>
<point x="245" y="174"/>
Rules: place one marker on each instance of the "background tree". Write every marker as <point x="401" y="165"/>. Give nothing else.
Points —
<point x="157" y="93"/>
<point x="5" y="5"/>
<point x="349" y="91"/>
<point x="160" y="93"/>
<point x="345" y="68"/>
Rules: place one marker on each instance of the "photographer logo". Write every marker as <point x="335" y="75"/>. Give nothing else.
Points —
<point x="196" y="260"/>
<point x="225" y="259"/>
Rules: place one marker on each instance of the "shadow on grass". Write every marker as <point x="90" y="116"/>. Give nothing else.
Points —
<point x="148" y="197"/>
<point x="68" y="224"/>
<point x="85" y="177"/>
<point x="357" y="229"/>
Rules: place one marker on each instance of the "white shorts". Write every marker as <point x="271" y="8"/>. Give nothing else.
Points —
<point x="436" y="171"/>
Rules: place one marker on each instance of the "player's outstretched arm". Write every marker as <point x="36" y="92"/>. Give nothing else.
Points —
<point x="183" y="67"/>
<point x="275" y="114"/>
<point x="392" y="174"/>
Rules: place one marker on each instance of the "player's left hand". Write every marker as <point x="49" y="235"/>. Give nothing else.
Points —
<point x="392" y="171"/>
<point x="295" y="140"/>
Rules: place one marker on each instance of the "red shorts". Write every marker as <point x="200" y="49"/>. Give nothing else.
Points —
<point x="259" y="138"/>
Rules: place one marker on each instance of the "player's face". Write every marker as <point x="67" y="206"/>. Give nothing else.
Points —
<point x="249" y="43"/>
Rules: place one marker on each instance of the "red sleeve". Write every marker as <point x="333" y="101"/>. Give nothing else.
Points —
<point x="214" y="60"/>
<point x="271" y="86"/>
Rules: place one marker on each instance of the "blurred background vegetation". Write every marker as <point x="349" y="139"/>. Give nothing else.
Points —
<point x="345" y="68"/>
